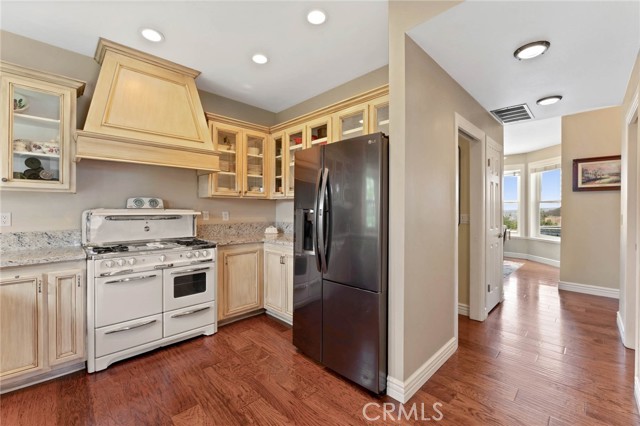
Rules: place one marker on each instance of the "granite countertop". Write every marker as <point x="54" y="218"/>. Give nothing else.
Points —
<point x="40" y="255"/>
<point x="276" y="239"/>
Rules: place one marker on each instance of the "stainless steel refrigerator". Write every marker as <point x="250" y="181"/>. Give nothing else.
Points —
<point x="340" y="265"/>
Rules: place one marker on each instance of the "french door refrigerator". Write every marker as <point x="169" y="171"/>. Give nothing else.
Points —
<point x="340" y="257"/>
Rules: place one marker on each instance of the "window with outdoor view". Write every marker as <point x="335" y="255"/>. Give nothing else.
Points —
<point x="511" y="200"/>
<point x="547" y="218"/>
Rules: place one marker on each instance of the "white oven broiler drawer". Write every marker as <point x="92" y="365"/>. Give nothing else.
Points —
<point x="190" y="318"/>
<point x="128" y="334"/>
<point x="125" y="297"/>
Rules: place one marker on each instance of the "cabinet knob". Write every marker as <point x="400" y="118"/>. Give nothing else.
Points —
<point x="5" y="180"/>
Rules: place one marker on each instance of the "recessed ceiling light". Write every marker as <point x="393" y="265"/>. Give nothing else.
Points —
<point x="549" y="100"/>
<point x="152" y="35"/>
<point x="531" y="50"/>
<point x="259" y="58"/>
<point x="316" y="17"/>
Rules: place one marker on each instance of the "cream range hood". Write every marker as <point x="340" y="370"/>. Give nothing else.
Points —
<point x="145" y="110"/>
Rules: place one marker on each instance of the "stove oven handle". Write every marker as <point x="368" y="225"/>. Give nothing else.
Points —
<point x="190" y="270"/>
<point x="125" y="280"/>
<point x="131" y="327"/>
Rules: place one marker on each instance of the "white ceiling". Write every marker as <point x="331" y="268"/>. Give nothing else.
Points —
<point x="218" y="38"/>
<point x="532" y="135"/>
<point x="593" y="48"/>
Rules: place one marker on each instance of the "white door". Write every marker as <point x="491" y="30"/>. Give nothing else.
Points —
<point x="494" y="224"/>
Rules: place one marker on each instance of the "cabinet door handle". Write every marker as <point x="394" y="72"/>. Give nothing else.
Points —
<point x="126" y="280"/>
<point x="184" y="314"/>
<point x="131" y="327"/>
<point x="78" y="280"/>
<point x="39" y="286"/>
<point x="5" y="180"/>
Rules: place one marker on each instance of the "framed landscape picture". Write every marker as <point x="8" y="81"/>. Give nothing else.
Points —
<point x="597" y="173"/>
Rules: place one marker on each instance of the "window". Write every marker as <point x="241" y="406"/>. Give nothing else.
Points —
<point x="546" y="218"/>
<point x="511" y="200"/>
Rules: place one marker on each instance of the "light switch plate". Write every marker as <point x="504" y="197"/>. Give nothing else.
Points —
<point x="225" y="215"/>
<point x="205" y="215"/>
<point x="464" y="218"/>
<point x="5" y="219"/>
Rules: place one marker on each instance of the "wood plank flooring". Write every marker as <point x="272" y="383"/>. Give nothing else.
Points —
<point x="543" y="357"/>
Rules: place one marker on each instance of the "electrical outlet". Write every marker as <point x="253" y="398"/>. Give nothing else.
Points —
<point x="225" y="215"/>
<point x="205" y="215"/>
<point x="5" y="219"/>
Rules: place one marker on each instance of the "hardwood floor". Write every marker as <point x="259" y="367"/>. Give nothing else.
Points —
<point x="543" y="357"/>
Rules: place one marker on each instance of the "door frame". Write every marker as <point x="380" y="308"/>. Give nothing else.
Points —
<point x="477" y="151"/>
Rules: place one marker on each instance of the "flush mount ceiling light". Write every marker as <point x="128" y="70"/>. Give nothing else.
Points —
<point x="549" y="100"/>
<point x="316" y="17"/>
<point x="259" y="58"/>
<point x="531" y="50"/>
<point x="152" y="35"/>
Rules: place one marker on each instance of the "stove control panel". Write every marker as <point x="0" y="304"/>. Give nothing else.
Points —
<point x="151" y="261"/>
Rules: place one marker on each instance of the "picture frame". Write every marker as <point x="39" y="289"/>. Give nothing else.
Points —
<point x="597" y="173"/>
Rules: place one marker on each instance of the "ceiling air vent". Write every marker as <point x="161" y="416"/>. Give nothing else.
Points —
<point x="512" y="114"/>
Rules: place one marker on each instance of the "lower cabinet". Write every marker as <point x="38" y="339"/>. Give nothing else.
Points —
<point x="278" y="279"/>
<point x="239" y="280"/>
<point x="42" y="322"/>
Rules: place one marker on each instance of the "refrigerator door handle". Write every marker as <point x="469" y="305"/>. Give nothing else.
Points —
<point x="316" y="224"/>
<point x="320" y="231"/>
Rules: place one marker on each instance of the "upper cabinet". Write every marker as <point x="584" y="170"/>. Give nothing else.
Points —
<point x="145" y="110"/>
<point x="243" y="149"/>
<point x="259" y="162"/>
<point x="37" y="127"/>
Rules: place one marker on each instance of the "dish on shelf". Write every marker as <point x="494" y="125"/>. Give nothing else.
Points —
<point x="20" y="103"/>
<point x="252" y="150"/>
<point x="32" y="163"/>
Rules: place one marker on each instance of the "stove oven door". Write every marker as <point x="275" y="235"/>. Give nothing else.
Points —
<point x="188" y="285"/>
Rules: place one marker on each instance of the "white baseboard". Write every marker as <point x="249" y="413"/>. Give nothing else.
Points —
<point x="533" y="258"/>
<point x="403" y="391"/>
<point x="463" y="309"/>
<point x="620" y="326"/>
<point x="595" y="290"/>
<point x="636" y="391"/>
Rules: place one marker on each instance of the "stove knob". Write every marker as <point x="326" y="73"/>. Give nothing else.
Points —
<point x="120" y="262"/>
<point x="163" y="258"/>
<point x="131" y="261"/>
<point x="107" y="263"/>
<point x="196" y="254"/>
<point x="205" y="253"/>
<point x="188" y="255"/>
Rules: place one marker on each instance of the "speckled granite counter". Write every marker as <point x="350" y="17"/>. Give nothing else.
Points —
<point x="40" y="255"/>
<point x="277" y="239"/>
<point x="36" y="248"/>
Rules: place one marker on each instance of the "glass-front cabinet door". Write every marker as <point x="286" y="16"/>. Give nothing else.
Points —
<point x="227" y="140"/>
<point x="379" y="112"/>
<point x="37" y="125"/>
<point x="319" y="131"/>
<point x="254" y="165"/>
<point x="295" y="140"/>
<point x="279" y="166"/>
<point x="351" y="122"/>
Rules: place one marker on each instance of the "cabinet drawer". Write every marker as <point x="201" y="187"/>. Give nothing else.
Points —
<point x="128" y="334"/>
<point x="126" y="297"/>
<point x="189" y="318"/>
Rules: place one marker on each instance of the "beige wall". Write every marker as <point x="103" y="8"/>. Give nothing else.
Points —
<point x="590" y="248"/>
<point x="464" y="246"/>
<point x="368" y="81"/>
<point x="522" y="245"/>
<point x="109" y="184"/>
<point x="284" y="211"/>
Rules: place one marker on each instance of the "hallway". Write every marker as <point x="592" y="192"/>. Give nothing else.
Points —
<point x="542" y="357"/>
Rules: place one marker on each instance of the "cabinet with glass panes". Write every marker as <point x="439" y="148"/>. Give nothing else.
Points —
<point x="278" y="162"/>
<point x="242" y="160"/>
<point x="37" y="137"/>
<point x="295" y="140"/>
<point x="379" y="115"/>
